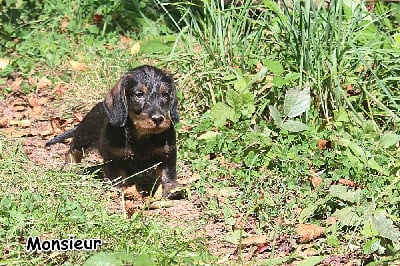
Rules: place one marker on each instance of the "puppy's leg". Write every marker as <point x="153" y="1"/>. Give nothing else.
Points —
<point x="167" y="172"/>
<point x="73" y="156"/>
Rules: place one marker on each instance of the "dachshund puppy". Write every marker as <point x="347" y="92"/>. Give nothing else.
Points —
<point x="133" y="129"/>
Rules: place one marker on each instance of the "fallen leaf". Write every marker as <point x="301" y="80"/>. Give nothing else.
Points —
<point x="125" y="41"/>
<point x="324" y="144"/>
<point x="4" y="63"/>
<point x="16" y="84"/>
<point x="135" y="48"/>
<point x="308" y="232"/>
<point x="253" y="240"/>
<point x="78" y="66"/>
<point x="4" y="121"/>
<point x="131" y="193"/>
<point x="347" y="182"/>
<point x="43" y="83"/>
<point x="315" y="179"/>
<point x="78" y="117"/>
<point x="64" y="25"/>
<point x="60" y="89"/>
<point x="58" y="124"/>
<point x="20" y="123"/>
<point x="97" y="19"/>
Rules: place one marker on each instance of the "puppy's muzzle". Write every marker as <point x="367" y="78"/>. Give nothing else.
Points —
<point x="157" y="119"/>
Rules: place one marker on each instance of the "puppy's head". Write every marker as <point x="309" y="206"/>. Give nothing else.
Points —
<point x="147" y="96"/>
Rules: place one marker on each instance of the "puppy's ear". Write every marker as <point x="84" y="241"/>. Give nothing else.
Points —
<point x="115" y="102"/>
<point x="173" y="109"/>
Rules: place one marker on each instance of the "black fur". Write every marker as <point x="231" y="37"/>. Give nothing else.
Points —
<point x="133" y="128"/>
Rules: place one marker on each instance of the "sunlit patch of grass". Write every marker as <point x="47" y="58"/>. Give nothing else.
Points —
<point x="54" y="204"/>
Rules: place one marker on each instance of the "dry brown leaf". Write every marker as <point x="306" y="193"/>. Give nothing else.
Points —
<point x="16" y="84"/>
<point x="78" y="66"/>
<point x="315" y="179"/>
<point x="308" y="232"/>
<point x="135" y="48"/>
<point x="4" y="121"/>
<point x="131" y="193"/>
<point x="78" y="117"/>
<point x="64" y="25"/>
<point x="324" y="144"/>
<point x="60" y="89"/>
<point x="20" y="123"/>
<point x="58" y="124"/>
<point x="347" y="182"/>
<point x="125" y="41"/>
<point x="43" y="83"/>
<point x="253" y="240"/>
<point x="297" y="211"/>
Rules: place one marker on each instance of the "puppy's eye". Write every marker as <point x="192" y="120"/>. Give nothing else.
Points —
<point x="165" y="94"/>
<point x="139" y="94"/>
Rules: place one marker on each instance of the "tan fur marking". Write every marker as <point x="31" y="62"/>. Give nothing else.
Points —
<point x="144" y="125"/>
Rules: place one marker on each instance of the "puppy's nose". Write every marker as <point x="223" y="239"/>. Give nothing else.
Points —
<point x="157" y="119"/>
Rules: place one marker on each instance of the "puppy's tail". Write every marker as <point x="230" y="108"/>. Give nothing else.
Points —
<point x="66" y="135"/>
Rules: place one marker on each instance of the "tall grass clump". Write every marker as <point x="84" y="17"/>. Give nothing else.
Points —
<point x="344" y="50"/>
<point x="347" y="52"/>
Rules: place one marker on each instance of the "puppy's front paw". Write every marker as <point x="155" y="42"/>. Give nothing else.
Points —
<point x="174" y="191"/>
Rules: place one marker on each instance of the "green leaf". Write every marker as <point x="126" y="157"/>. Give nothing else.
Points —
<point x="347" y="216"/>
<point x="240" y="85"/>
<point x="369" y="230"/>
<point x="373" y="245"/>
<point x="296" y="102"/>
<point x="208" y="135"/>
<point x="374" y="165"/>
<point x="232" y="98"/>
<point x="389" y="139"/>
<point x="341" y="115"/>
<point x="234" y="236"/>
<point x="221" y="112"/>
<point x="273" y="66"/>
<point x="247" y="97"/>
<point x="276" y="115"/>
<point x="294" y="126"/>
<point x="386" y="229"/>
<point x="341" y="192"/>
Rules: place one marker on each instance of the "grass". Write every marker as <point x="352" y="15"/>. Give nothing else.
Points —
<point x="256" y="161"/>
<point x="55" y="204"/>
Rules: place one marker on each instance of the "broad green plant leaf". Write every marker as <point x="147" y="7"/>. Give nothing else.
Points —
<point x="296" y="102"/>
<point x="221" y="112"/>
<point x="341" y="192"/>
<point x="347" y="216"/>
<point x="374" y="245"/>
<point x="232" y="98"/>
<point x="276" y="115"/>
<point x="208" y="135"/>
<point x="386" y="229"/>
<point x="274" y="66"/>
<point x="389" y="139"/>
<point x="234" y="236"/>
<point x="294" y="126"/>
